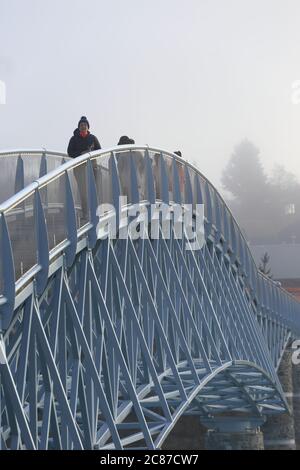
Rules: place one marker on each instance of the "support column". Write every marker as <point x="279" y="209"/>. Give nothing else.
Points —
<point x="234" y="433"/>
<point x="279" y="431"/>
<point x="296" y="403"/>
<point x="187" y="434"/>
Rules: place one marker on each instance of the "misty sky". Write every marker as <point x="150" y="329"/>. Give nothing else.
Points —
<point x="194" y="75"/>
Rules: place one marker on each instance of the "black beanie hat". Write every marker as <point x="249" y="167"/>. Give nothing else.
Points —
<point x="84" y="119"/>
<point x="124" y="140"/>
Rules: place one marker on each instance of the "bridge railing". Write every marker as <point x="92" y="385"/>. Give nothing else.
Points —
<point x="20" y="168"/>
<point x="49" y="216"/>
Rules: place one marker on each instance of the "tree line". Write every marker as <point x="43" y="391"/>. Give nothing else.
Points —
<point x="267" y="207"/>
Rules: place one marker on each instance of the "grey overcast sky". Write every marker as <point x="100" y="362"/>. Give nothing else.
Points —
<point x="195" y="75"/>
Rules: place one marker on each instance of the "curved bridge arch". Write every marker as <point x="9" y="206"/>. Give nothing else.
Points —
<point x="107" y="341"/>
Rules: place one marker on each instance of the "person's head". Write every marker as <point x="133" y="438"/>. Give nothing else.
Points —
<point x="83" y="124"/>
<point x="124" y="140"/>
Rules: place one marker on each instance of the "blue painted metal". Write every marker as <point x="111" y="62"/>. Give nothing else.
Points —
<point x="41" y="277"/>
<point x="104" y="342"/>
<point x="20" y="177"/>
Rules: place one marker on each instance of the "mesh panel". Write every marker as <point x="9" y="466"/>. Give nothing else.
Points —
<point x="21" y="227"/>
<point x="54" y="204"/>
<point x="102" y="175"/>
<point x="1" y="263"/>
<point x="78" y="179"/>
<point x="155" y="158"/>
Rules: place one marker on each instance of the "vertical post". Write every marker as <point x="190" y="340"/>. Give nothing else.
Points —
<point x="188" y="433"/>
<point x="116" y="188"/>
<point x="234" y="433"/>
<point x="42" y="243"/>
<point x="71" y="222"/>
<point x="279" y="431"/>
<point x="296" y="402"/>
<point x="92" y="203"/>
<point x="20" y="178"/>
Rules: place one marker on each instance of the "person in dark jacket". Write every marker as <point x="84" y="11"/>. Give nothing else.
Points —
<point x="82" y="141"/>
<point x="125" y="140"/>
<point x="123" y="160"/>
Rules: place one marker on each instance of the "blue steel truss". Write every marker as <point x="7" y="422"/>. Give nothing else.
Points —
<point x="105" y="342"/>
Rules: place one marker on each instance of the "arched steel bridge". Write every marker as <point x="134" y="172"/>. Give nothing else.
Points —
<point x="105" y="342"/>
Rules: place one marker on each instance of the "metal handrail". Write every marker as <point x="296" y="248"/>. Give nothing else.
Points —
<point x="216" y="326"/>
<point x="73" y="163"/>
<point x="32" y="152"/>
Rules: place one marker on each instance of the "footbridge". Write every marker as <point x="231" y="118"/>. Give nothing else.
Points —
<point x="108" y="335"/>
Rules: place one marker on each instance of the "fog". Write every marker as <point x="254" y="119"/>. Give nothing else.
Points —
<point x="195" y="75"/>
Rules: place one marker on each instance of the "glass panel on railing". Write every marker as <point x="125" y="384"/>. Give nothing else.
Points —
<point x="208" y="210"/>
<point x="169" y="170"/>
<point x="102" y="174"/>
<point x="78" y="179"/>
<point x="202" y="184"/>
<point x="181" y="177"/>
<point x="233" y="241"/>
<point x="1" y="264"/>
<point x="226" y="225"/>
<point x="8" y="165"/>
<point x="156" y="169"/>
<point x="192" y="175"/>
<point x="238" y="240"/>
<point x="213" y="204"/>
<point x="20" y="170"/>
<point x="139" y="161"/>
<point x="32" y="164"/>
<point x="123" y="159"/>
<point x="220" y="205"/>
<point x="54" y="161"/>
<point x="53" y="196"/>
<point x="253" y="274"/>
<point x="203" y="193"/>
<point x="21" y="228"/>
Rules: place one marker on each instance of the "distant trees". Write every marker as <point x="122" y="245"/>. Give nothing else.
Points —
<point x="267" y="208"/>
<point x="243" y="170"/>
<point x="284" y="188"/>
